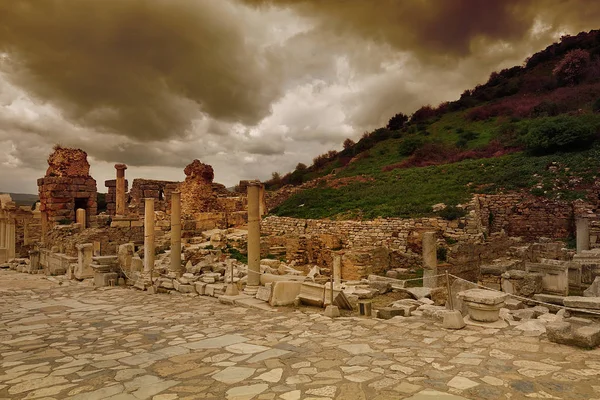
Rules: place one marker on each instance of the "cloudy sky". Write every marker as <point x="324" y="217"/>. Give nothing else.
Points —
<point x="248" y="86"/>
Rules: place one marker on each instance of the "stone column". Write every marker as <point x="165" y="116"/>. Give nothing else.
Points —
<point x="120" y="189"/>
<point x="253" y="238"/>
<point x="337" y="270"/>
<point x="176" y="233"/>
<point x="3" y="225"/>
<point x="583" y="234"/>
<point x="149" y="237"/>
<point x="80" y="217"/>
<point x="429" y="260"/>
<point x="11" y="238"/>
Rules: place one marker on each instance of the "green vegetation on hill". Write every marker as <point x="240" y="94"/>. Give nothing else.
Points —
<point x="534" y="128"/>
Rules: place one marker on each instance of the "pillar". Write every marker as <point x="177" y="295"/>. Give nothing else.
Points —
<point x="3" y="227"/>
<point x="11" y="239"/>
<point x="337" y="270"/>
<point x="80" y="217"/>
<point x="85" y="253"/>
<point x="262" y="203"/>
<point x="253" y="238"/>
<point x="176" y="233"/>
<point x="583" y="234"/>
<point x="149" y="237"/>
<point x="429" y="259"/>
<point x="120" y="189"/>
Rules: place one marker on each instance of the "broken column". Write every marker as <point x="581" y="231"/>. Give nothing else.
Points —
<point x="149" y="238"/>
<point x="80" y="217"/>
<point x="429" y="260"/>
<point x="337" y="270"/>
<point x="253" y="238"/>
<point x="176" y="233"/>
<point x="120" y="189"/>
<point x="583" y="234"/>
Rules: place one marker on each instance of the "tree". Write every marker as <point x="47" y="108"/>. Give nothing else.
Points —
<point x="397" y="122"/>
<point x="571" y="69"/>
<point x="348" y="144"/>
<point x="301" y="167"/>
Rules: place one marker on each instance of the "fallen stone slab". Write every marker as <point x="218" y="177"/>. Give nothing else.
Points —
<point x="592" y="303"/>
<point x="549" y="298"/>
<point x="391" y="312"/>
<point x="284" y="293"/>
<point x="566" y="333"/>
<point x="416" y="292"/>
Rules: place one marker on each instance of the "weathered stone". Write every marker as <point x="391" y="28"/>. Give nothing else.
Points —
<point x="284" y="293"/>
<point x="391" y="312"/>
<point x="453" y="320"/>
<point x="594" y="289"/>
<point x="439" y="295"/>
<point x="381" y="286"/>
<point x="513" y="304"/>
<point x="566" y="333"/>
<point x="582" y="302"/>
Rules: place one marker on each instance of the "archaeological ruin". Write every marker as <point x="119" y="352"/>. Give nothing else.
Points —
<point x="502" y="265"/>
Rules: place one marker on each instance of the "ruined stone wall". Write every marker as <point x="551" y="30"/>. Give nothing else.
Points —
<point x="160" y="191"/>
<point x="64" y="239"/>
<point x="393" y="233"/>
<point x="67" y="186"/>
<point x="111" y="196"/>
<point x="527" y="216"/>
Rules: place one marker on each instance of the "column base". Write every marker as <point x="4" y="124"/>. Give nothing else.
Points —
<point x="251" y="290"/>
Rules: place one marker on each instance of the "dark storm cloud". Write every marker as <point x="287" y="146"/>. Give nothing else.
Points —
<point x="139" y="68"/>
<point x="440" y="29"/>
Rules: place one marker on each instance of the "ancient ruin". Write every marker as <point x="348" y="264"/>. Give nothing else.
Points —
<point x="196" y="238"/>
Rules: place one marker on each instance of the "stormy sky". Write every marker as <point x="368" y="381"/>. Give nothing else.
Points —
<point x="248" y="86"/>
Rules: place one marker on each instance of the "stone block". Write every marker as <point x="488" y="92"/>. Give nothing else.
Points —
<point x="381" y="286"/>
<point x="582" y="302"/>
<point x="284" y="293"/>
<point x="102" y="279"/>
<point x="214" y="289"/>
<point x="391" y="312"/>
<point x="186" y="289"/>
<point x="166" y="283"/>
<point x="513" y="304"/>
<point x="264" y="292"/>
<point x="312" y="294"/>
<point x="200" y="288"/>
<point x="549" y="298"/>
<point x="566" y="333"/>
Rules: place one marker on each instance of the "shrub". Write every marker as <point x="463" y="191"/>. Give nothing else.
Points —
<point x="451" y="213"/>
<point x="549" y="135"/>
<point x="545" y="109"/>
<point x="422" y="114"/>
<point x="572" y="68"/>
<point x="348" y="144"/>
<point x="409" y="145"/>
<point x="397" y="122"/>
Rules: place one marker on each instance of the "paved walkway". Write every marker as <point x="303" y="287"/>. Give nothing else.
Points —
<point x="74" y="342"/>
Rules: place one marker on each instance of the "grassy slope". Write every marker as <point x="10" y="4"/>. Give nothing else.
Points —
<point x="409" y="192"/>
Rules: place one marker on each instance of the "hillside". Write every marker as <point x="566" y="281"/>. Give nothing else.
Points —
<point x="534" y="128"/>
<point x="24" y="199"/>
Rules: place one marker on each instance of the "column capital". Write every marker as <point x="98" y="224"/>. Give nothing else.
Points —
<point x="120" y="166"/>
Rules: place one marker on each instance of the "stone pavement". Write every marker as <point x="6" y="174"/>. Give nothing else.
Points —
<point x="74" y="342"/>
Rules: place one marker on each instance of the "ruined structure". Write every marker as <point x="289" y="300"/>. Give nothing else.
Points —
<point x="67" y="187"/>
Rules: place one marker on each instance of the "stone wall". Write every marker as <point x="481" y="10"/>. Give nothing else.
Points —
<point x="393" y="233"/>
<point x="111" y="196"/>
<point x="66" y="187"/>
<point x="527" y="216"/>
<point x="160" y="191"/>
